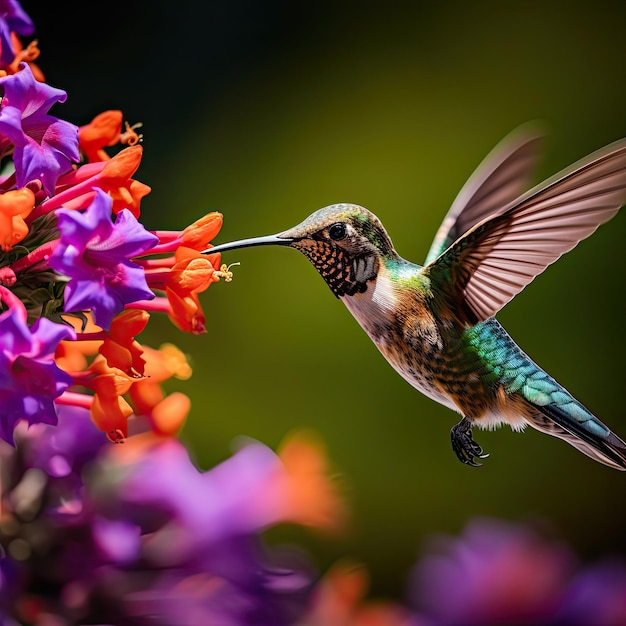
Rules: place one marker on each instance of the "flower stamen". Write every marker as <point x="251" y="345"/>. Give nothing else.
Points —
<point x="224" y="272"/>
<point x="130" y="137"/>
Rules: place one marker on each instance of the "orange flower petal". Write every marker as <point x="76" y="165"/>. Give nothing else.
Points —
<point x="129" y="323"/>
<point x="71" y="356"/>
<point x="170" y="414"/>
<point x="190" y="276"/>
<point x="186" y="313"/>
<point x="198" y="234"/>
<point x="145" y="395"/>
<point x="312" y="498"/>
<point x="103" y="130"/>
<point x="129" y="197"/>
<point x="339" y="599"/>
<point x="120" y="348"/>
<point x="166" y="362"/>
<point x="15" y="205"/>
<point x="17" y="202"/>
<point x="124" y="356"/>
<point x="123" y="165"/>
<point x="110" y="414"/>
<point x="112" y="384"/>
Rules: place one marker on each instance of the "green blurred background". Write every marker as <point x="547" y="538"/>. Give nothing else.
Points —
<point x="267" y="111"/>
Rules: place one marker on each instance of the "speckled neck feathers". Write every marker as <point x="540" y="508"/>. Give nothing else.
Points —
<point x="345" y="276"/>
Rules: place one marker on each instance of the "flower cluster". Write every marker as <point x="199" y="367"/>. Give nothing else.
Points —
<point x="79" y="273"/>
<point x="495" y="573"/>
<point x="136" y="534"/>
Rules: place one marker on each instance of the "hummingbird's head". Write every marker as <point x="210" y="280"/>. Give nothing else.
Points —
<point x="345" y="243"/>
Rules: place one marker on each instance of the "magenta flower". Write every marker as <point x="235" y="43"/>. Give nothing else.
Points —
<point x="45" y="146"/>
<point x="12" y="19"/>
<point x="94" y="252"/>
<point x="29" y="378"/>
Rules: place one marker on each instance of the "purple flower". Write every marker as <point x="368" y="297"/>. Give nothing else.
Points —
<point x="200" y="530"/>
<point x="239" y="495"/>
<point x="93" y="549"/>
<point x="12" y="18"/>
<point x="94" y="252"/>
<point x="45" y="146"/>
<point x="499" y="573"/>
<point x="596" y="595"/>
<point x="29" y="378"/>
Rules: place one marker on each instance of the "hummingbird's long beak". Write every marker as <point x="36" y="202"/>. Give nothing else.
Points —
<point x="269" y="240"/>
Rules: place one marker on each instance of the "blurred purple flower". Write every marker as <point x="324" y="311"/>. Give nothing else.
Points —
<point x="202" y="530"/>
<point x="45" y="146"/>
<point x="90" y="533"/>
<point x="12" y="18"/>
<point x="239" y="495"/>
<point x="498" y="573"/>
<point x="94" y="252"/>
<point x="30" y="380"/>
<point x="596" y="595"/>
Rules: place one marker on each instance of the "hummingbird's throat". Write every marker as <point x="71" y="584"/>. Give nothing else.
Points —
<point x="344" y="275"/>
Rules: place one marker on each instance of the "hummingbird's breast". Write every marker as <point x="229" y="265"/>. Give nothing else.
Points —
<point x="400" y="323"/>
<point x="475" y="371"/>
<point x="465" y="369"/>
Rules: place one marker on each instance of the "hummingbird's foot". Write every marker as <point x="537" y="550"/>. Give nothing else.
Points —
<point x="464" y="446"/>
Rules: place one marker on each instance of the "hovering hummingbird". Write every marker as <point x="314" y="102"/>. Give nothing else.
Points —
<point x="435" y="323"/>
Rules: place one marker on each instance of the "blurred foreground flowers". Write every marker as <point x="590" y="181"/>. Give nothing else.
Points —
<point x="500" y="573"/>
<point x="136" y="534"/>
<point x="96" y="533"/>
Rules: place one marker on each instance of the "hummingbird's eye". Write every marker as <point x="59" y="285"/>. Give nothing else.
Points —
<point x="337" y="231"/>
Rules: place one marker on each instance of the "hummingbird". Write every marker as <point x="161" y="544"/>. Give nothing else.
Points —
<point x="435" y="324"/>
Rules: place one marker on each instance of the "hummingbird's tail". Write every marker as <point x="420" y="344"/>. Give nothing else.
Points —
<point x="573" y="423"/>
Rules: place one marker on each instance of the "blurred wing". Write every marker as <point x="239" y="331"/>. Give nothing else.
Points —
<point x="493" y="262"/>
<point x="503" y="176"/>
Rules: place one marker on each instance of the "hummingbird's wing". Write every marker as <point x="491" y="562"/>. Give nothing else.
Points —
<point x="502" y="176"/>
<point x="486" y="267"/>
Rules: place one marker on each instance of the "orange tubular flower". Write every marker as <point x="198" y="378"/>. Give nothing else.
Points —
<point x="340" y="599"/>
<point x="116" y="180"/>
<point x="191" y="274"/>
<point x="14" y="207"/>
<point x="109" y="410"/>
<point x="122" y="367"/>
<point x="168" y="416"/>
<point x="198" y="234"/>
<point x="103" y="130"/>
<point x="166" y="362"/>
<point x="120" y="348"/>
<point x="311" y="498"/>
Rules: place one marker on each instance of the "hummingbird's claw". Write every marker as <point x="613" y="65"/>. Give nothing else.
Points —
<point x="464" y="446"/>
